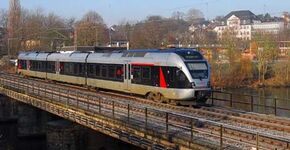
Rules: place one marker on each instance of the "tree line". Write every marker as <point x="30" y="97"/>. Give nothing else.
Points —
<point x="36" y="29"/>
<point x="236" y="69"/>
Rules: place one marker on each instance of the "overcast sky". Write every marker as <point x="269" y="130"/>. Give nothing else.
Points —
<point x="114" y="11"/>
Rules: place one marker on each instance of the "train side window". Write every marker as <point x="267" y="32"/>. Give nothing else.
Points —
<point x="76" y="68"/>
<point x="81" y="69"/>
<point x="22" y="64"/>
<point x="25" y="64"/>
<point x="35" y="65"/>
<point x="38" y="65"/>
<point x="146" y="73"/>
<point x="19" y="63"/>
<point x="98" y="71"/>
<point x="53" y="66"/>
<point x="136" y="71"/>
<point x="31" y="65"/>
<point x="71" y="68"/>
<point x="129" y="72"/>
<point x="50" y="66"/>
<point x="61" y="67"/>
<point x="181" y="75"/>
<point x="104" y="69"/>
<point x="120" y="72"/>
<point x="111" y="72"/>
<point x="66" y="68"/>
<point x="171" y="72"/>
<point x="125" y="71"/>
<point x="182" y="81"/>
<point x="91" y="70"/>
<point x="43" y="66"/>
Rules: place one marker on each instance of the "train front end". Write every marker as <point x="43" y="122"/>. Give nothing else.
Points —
<point x="197" y="70"/>
<point x="200" y="80"/>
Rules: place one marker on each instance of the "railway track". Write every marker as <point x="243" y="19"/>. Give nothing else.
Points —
<point x="281" y="126"/>
<point x="276" y="127"/>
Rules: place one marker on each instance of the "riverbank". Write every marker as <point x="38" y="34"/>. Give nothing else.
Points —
<point x="235" y="82"/>
<point x="269" y="92"/>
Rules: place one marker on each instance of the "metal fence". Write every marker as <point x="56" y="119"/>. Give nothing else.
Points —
<point x="253" y="103"/>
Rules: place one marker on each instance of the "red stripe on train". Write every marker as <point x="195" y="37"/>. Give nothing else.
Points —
<point x="142" y="64"/>
<point x="162" y="81"/>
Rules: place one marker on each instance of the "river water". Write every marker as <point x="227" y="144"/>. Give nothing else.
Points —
<point x="263" y="100"/>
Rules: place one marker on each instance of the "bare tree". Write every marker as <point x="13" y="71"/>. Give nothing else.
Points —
<point x="177" y="15"/>
<point x="14" y="17"/>
<point x="41" y="31"/>
<point x="156" y="31"/>
<point x="148" y="34"/>
<point x="266" y="52"/>
<point x="230" y="43"/>
<point x="3" y="18"/>
<point x="93" y="17"/>
<point x="91" y="30"/>
<point x="229" y="68"/>
<point x="282" y="73"/>
<point x="3" y="31"/>
<point x="13" y="25"/>
<point x="194" y="16"/>
<point x="122" y="31"/>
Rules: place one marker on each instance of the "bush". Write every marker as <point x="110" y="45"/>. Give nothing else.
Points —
<point x="281" y="71"/>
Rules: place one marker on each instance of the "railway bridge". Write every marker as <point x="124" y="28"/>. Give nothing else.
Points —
<point x="141" y="122"/>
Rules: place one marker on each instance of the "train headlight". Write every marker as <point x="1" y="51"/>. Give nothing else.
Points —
<point x="193" y="84"/>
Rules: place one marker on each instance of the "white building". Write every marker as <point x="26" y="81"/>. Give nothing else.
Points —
<point x="239" y="23"/>
<point x="244" y="24"/>
<point x="269" y="27"/>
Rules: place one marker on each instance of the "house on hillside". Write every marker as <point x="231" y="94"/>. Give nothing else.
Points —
<point x="201" y="25"/>
<point x="244" y="24"/>
<point x="268" y="27"/>
<point x="239" y="23"/>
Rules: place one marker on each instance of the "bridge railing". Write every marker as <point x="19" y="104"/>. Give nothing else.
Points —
<point x="165" y="124"/>
<point x="253" y="103"/>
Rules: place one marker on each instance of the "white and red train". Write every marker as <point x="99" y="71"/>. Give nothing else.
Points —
<point x="174" y="75"/>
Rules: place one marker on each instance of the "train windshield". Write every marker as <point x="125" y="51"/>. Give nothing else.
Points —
<point x="198" y="70"/>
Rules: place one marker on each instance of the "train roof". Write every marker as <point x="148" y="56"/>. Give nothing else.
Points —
<point x="33" y="56"/>
<point x="67" y="57"/>
<point x="184" y="53"/>
<point x="167" y="50"/>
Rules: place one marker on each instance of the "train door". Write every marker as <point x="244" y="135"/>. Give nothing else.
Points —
<point x="28" y="65"/>
<point x="127" y="76"/>
<point x="57" y="67"/>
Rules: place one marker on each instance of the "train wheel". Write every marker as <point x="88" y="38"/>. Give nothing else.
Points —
<point x="157" y="97"/>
